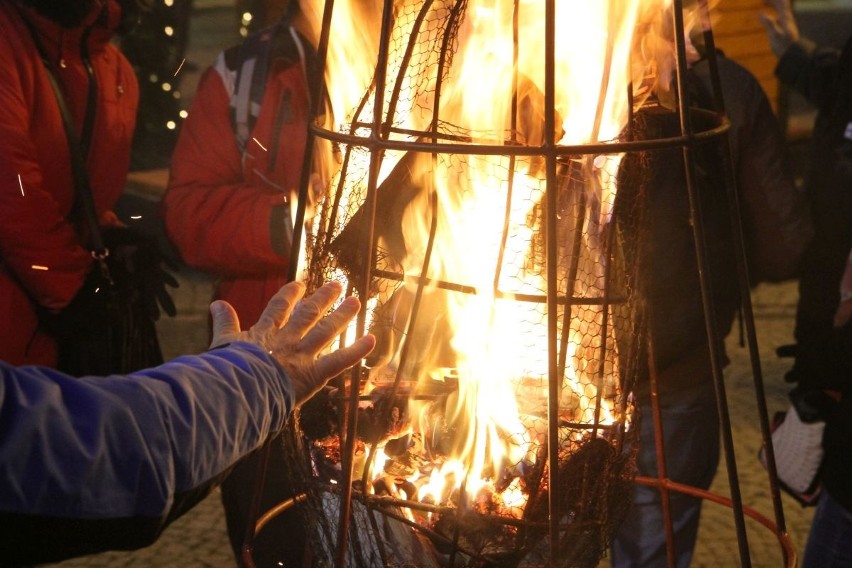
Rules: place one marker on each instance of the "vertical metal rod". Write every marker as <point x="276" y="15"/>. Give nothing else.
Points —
<point x="317" y="100"/>
<point x="513" y="130"/>
<point x="573" y="268"/>
<point x="660" y="447"/>
<point x="552" y="290"/>
<point x="377" y="134"/>
<point x="609" y="243"/>
<point x="604" y="87"/>
<point x="714" y="338"/>
<point x="406" y="60"/>
<point x="430" y="243"/>
<point x="292" y="272"/>
<point x="742" y="272"/>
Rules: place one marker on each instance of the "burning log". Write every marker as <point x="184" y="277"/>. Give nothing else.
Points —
<point x="386" y="417"/>
<point x="380" y="418"/>
<point x="595" y="488"/>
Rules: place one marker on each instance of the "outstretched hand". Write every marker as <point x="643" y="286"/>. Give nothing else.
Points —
<point x="780" y="25"/>
<point x="294" y="330"/>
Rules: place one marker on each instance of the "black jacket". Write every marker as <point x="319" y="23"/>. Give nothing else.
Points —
<point x="824" y="354"/>
<point x="775" y="218"/>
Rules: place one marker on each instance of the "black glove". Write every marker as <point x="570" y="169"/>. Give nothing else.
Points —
<point x="84" y="314"/>
<point x="134" y="278"/>
<point x="137" y="268"/>
<point x="812" y="405"/>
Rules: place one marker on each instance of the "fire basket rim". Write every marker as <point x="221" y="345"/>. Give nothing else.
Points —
<point x="721" y="127"/>
<point x="785" y="542"/>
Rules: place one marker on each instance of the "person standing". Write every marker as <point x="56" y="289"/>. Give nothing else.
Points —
<point x="43" y="256"/>
<point x="822" y="369"/>
<point x="228" y="210"/>
<point x="776" y="226"/>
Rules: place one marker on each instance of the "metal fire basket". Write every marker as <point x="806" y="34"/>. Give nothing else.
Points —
<point x="482" y="224"/>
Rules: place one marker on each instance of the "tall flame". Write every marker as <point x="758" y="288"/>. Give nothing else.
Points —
<point x="480" y="215"/>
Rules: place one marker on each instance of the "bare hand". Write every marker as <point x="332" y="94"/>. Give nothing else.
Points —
<point x="295" y="332"/>
<point x="780" y="25"/>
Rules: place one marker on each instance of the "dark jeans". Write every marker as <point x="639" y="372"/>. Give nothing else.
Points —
<point x="691" y="438"/>
<point x="830" y="538"/>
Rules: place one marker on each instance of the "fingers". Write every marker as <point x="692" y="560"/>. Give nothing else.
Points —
<point x="324" y="332"/>
<point x="279" y="308"/>
<point x="226" y="324"/>
<point x="333" y="364"/>
<point x="297" y="344"/>
<point x="309" y="311"/>
<point x="169" y="279"/>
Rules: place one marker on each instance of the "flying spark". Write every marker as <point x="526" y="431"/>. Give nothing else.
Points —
<point x="180" y="67"/>
<point x="21" y="184"/>
<point x="136" y="217"/>
<point x="262" y="147"/>
<point x="39" y="267"/>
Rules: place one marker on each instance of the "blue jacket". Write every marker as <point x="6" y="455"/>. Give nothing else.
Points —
<point x="101" y="463"/>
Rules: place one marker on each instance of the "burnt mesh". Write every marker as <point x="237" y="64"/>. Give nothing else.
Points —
<point x="408" y="252"/>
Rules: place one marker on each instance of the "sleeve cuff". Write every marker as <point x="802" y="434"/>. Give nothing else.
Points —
<point x="267" y="356"/>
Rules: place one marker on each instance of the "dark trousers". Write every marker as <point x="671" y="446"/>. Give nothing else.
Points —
<point x="691" y="438"/>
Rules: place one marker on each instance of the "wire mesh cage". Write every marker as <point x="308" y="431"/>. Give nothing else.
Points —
<point x="464" y="184"/>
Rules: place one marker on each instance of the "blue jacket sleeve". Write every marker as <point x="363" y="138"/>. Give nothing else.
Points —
<point x="123" y="446"/>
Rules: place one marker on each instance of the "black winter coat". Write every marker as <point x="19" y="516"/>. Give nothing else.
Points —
<point x="824" y="354"/>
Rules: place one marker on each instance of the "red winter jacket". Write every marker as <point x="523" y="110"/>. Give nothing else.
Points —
<point x="224" y="209"/>
<point x="42" y="260"/>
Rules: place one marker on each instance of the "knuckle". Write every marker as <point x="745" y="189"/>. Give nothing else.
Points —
<point x="309" y="309"/>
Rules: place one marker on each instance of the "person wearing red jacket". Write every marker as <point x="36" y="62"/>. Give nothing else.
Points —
<point x="228" y="207"/>
<point x="43" y="261"/>
<point x="233" y="177"/>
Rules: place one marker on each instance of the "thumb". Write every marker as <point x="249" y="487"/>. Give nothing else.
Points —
<point x="226" y="324"/>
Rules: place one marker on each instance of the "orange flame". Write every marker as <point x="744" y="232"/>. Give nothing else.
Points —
<point x="604" y="49"/>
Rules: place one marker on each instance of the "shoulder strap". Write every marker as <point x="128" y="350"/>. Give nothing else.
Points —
<point x="252" y="57"/>
<point x="251" y="66"/>
<point x="80" y="176"/>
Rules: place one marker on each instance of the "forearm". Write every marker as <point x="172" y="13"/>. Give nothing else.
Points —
<point x="227" y="228"/>
<point x="122" y="446"/>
